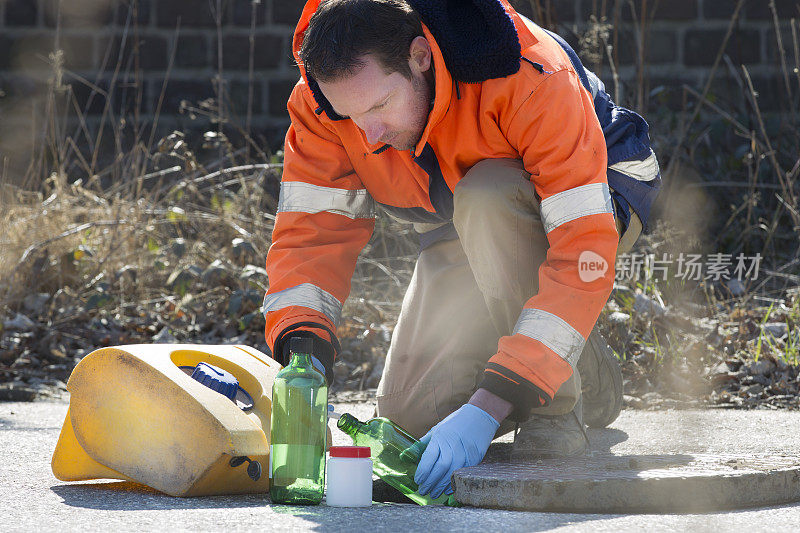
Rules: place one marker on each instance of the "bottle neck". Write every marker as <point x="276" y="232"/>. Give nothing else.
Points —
<point x="349" y="424"/>
<point x="300" y="360"/>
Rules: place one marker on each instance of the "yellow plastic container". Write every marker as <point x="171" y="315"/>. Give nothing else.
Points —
<point x="136" y="415"/>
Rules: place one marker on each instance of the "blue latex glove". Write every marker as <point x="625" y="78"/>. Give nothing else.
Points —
<point x="459" y="440"/>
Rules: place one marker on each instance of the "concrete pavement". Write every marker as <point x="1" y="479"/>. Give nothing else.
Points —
<point x="32" y="499"/>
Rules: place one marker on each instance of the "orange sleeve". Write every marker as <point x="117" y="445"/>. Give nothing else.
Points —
<point x="558" y="135"/>
<point x="324" y="219"/>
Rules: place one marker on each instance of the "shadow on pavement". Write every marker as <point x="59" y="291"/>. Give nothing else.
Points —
<point x="117" y="495"/>
<point x="11" y="424"/>
<point x="125" y="495"/>
<point x="412" y="517"/>
<point x="601" y="440"/>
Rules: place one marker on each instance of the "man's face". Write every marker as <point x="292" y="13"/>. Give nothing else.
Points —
<point x="389" y="108"/>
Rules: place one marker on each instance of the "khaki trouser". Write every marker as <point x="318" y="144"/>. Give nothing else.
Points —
<point x="465" y="294"/>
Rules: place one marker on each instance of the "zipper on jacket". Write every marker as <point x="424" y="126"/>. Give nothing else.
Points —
<point x="538" y="66"/>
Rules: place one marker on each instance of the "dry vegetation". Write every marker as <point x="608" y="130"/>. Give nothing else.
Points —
<point x="163" y="240"/>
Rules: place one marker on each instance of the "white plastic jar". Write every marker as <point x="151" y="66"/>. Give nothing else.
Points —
<point x="349" y="474"/>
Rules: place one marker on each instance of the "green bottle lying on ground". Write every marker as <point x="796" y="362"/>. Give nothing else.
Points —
<point x="298" y="430"/>
<point x="395" y="455"/>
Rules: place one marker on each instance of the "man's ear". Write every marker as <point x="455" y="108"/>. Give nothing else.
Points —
<point x="420" y="54"/>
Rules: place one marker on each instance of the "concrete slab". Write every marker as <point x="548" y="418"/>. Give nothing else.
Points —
<point x="32" y="499"/>
<point x="683" y="437"/>
<point x="605" y="483"/>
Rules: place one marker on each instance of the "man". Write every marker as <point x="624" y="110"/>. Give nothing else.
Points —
<point x="486" y="133"/>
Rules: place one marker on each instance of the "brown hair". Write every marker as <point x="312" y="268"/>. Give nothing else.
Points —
<point x="341" y="32"/>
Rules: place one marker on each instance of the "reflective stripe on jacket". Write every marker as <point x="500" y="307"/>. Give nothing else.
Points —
<point x="529" y="98"/>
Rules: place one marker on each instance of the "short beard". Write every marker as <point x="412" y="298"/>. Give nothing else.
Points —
<point x="422" y="93"/>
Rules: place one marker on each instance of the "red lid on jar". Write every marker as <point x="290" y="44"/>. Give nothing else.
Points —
<point x="356" y="452"/>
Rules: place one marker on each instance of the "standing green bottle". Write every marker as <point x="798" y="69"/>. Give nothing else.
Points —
<point x="395" y="455"/>
<point x="298" y="429"/>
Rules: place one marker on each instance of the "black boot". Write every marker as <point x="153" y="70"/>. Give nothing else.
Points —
<point x="601" y="382"/>
<point x="551" y="436"/>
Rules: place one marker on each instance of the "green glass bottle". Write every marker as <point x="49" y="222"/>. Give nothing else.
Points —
<point x="395" y="455"/>
<point x="298" y="428"/>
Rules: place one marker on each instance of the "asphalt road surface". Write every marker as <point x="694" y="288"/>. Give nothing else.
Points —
<point x="31" y="499"/>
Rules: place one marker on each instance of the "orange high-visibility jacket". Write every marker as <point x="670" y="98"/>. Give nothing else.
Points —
<point x="538" y="111"/>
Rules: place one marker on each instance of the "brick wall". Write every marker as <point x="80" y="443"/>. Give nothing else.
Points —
<point x="681" y="42"/>
<point x="92" y="34"/>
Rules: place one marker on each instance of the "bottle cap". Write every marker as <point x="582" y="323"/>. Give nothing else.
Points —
<point x="216" y="379"/>
<point x="301" y="345"/>
<point x="356" y="452"/>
